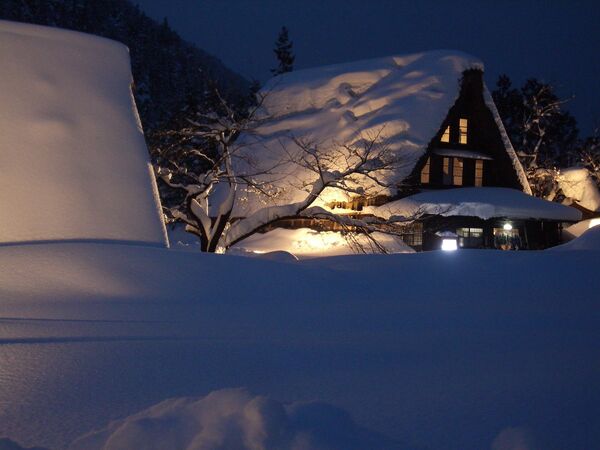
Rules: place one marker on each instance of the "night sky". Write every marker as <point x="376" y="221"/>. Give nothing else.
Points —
<point x="557" y="41"/>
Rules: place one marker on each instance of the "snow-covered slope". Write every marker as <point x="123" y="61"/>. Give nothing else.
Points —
<point x="588" y="240"/>
<point x="483" y="202"/>
<point x="73" y="161"/>
<point x="403" y="98"/>
<point x="438" y="350"/>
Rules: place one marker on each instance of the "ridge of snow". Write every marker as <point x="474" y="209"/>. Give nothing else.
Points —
<point x="74" y="160"/>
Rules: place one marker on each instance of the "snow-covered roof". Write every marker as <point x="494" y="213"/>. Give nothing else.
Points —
<point x="482" y="202"/>
<point x="73" y="160"/>
<point x="406" y="98"/>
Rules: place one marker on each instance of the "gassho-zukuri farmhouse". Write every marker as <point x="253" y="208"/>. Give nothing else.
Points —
<point x="459" y="179"/>
<point x="75" y="165"/>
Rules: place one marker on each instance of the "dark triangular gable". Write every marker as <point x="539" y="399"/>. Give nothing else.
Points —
<point x="484" y="137"/>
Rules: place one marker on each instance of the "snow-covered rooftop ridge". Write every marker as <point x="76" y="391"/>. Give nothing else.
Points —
<point x="72" y="151"/>
<point x="315" y="87"/>
<point x="402" y="99"/>
<point x="482" y="202"/>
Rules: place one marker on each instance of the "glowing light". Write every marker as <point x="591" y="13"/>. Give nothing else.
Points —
<point x="507" y="227"/>
<point x="449" y="245"/>
<point x="594" y="222"/>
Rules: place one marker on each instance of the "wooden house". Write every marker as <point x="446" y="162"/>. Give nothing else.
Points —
<point x="461" y="184"/>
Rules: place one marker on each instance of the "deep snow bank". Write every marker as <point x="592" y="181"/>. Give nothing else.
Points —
<point x="588" y="240"/>
<point x="233" y="419"/>
<point x="73" y="158"/>
<point x="438" y="350"/>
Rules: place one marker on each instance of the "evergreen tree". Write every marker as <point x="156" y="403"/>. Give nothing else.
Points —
<point x="283" y="52"/>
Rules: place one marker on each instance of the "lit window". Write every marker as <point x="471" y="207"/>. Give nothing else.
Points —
<point x="447" y="171"/>
<point x="470" y="237"/>
<point x="479" y="172"/>
<point x="446" y="135"/>
<point x="425" y="172"/>
<point x="458" y="172"/>
<point x="463" y="126"/>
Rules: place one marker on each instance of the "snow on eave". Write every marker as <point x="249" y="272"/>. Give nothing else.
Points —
<point x="483" y="202"/>
<point x="489" y="101"/>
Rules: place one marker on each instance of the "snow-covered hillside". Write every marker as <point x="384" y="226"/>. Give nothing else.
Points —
<point x="466" y="350"/>
<point x="72" y="153"/>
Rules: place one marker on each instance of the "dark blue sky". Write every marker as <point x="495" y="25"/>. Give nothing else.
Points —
<point x="557" y="41"/>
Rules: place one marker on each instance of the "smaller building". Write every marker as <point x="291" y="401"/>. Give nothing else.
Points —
<point x="477" y="217"/>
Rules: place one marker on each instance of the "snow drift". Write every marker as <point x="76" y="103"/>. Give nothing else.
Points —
<point x="73" y="158"/>
<point x="437" y="350"/>
<point x="234" y="419"/>
<point x="588" y="240"/>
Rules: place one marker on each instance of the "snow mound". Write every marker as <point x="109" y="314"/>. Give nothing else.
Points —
<point x="589" y="240"/>
<point x="404" y="98"/>
<point x="579" y="228"/>
<point x="73" y="157"/>
<point x="234" y="419"/>
<point x="307" y="243"/>
<point x="577" y="184"/>
<point x="482" y="202"/>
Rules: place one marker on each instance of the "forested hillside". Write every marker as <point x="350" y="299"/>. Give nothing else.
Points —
<point x="171" y="75"/>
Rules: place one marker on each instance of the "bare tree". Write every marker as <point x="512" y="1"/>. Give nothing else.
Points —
<point x="211" y="195"/>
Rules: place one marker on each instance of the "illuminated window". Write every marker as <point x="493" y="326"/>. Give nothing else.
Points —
<point x="425" y="173"/>
<point x="470" y="237"/>
<point x="447" y="171"/>
<point x="479" y="172"/>
<point x="457" y="172"/>
<point x="446" y="135"/>
<point x="463" y="126"/>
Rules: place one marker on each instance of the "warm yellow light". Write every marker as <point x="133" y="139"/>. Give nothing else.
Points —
<point x="507" y="227"/>
<point x="594" y="222"/>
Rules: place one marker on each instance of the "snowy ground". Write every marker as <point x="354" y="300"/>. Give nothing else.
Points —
<point x="434" y="350"/>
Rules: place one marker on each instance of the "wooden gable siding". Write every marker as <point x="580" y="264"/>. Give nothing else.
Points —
<point x="483" y="137"/>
